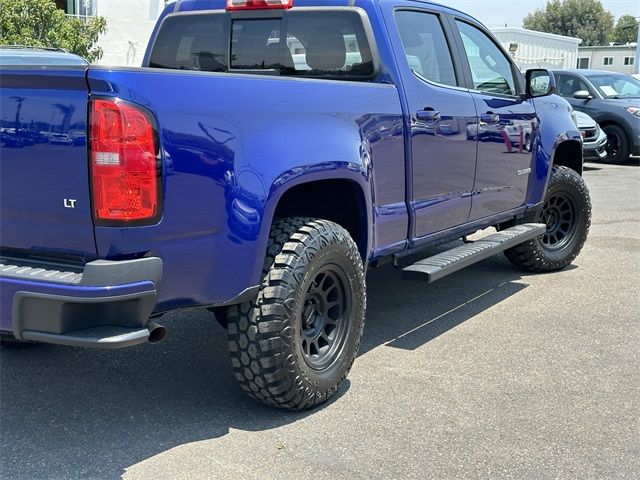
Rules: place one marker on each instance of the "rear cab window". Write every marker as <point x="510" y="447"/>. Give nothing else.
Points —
<point x="425" y="46"/>
<point x="316" y="43"/>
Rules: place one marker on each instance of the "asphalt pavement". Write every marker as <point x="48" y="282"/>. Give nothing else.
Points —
<point x="488" y="373"/>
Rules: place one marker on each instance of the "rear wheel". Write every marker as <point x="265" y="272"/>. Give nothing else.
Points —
<point x="567" y="213"/>
<point x="617" y="145"/>
<point x="293" y="347"/>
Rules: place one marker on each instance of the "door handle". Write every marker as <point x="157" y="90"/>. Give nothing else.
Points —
<point x="428" y="115"/>
<point x="490" y="118"/>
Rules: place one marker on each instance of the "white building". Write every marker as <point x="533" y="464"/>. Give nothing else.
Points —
<point x="129" y="26"/>
<point x="616" y="58"/>
<point x="531" y="49"/>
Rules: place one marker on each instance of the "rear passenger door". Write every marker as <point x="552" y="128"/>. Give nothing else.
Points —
<point x="440" y="109"/>
<point x="507" y="126"/>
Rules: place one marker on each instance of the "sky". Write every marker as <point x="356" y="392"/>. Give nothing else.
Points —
<point x="495" y="13"/>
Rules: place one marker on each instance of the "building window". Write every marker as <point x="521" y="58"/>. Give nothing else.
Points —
<point x="583" y="62"/>
<point x="629" y="60"/>
<point x="607" y="61"/>
<point x="78" y="8"/>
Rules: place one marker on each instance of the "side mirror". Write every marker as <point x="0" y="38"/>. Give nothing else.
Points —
<point x="582" y="95"/>
<point x="539" y="83"/>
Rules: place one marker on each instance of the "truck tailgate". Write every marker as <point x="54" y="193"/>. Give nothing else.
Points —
<point x="45" y="203"/>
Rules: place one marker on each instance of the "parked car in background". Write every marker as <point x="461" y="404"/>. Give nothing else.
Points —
<point x="9" y="138"/>
<point x="60" y="139"/>
<point x="508" y="132"/>
<point x="613" y="100"/>
<point x="594" y="146"/>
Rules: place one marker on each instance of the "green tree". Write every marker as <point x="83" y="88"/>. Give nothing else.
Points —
<point x="626" y="30"/>
<point x="40" y="23"/>
<point x="585" y="19"/>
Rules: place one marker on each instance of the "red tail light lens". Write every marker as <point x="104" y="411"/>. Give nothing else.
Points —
<point x="258" y="4"/>
<point x="125" y="171"/>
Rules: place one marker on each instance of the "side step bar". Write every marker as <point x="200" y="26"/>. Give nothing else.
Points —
<point x="440" y="265"/>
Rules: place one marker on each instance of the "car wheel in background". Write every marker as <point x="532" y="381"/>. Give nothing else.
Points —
<point x="617" y="145"/>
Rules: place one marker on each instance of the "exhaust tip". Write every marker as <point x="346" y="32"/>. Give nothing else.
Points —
<point x="156" y="333"/>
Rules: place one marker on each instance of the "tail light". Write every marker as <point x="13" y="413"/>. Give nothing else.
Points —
<point x="258" y="4"/>
<point x="125" y="168"/>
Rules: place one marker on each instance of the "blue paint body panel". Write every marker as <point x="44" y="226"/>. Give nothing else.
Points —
<point x="229" y="156"/>
<point x="232" y="145"/>
<point x="44" y="161"/>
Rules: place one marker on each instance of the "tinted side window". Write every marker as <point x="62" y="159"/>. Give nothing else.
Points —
<point x="328" y="44"/>
<point x="567" y="86"/>
<point x="490" y="68"/>
<point x="192" y="42"/>
<point x="425" y="46"/>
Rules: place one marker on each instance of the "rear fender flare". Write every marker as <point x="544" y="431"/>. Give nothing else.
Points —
<point x="356" y="173"/>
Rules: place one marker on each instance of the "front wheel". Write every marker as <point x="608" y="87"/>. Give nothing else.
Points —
<point x="617" y="145"/>
<point x="567" y="213"/>
<point x="293" y="347"/>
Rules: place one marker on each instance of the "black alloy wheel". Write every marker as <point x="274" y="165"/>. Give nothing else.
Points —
<point x="567" y="213"/>
<point x="617" y="145"/>
<point x="324" y="317"/>
<point x="559" y="213"/>
<point x="613" y="144"/>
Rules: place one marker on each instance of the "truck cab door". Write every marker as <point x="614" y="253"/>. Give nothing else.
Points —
<point x="439" y="109"/>
<point x="507" y="126"/>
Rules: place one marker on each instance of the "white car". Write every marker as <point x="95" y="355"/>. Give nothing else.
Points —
<point x="60" y="139"/>
<point x="518" y="132"/>
<point x="594" y="140"/>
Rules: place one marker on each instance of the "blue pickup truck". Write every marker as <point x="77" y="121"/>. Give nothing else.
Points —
<point x="266" y="154"/>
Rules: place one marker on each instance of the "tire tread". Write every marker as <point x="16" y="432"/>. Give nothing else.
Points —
<point x="259" y="332"/>
<point x="530" y="255"/>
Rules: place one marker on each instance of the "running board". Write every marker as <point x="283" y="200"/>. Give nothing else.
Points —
<point x="442" y="264"/>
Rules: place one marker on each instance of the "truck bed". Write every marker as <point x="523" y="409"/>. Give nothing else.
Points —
<point x="224" y="166"/>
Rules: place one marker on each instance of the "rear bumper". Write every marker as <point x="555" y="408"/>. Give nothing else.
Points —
<point x="107" y="304"/>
